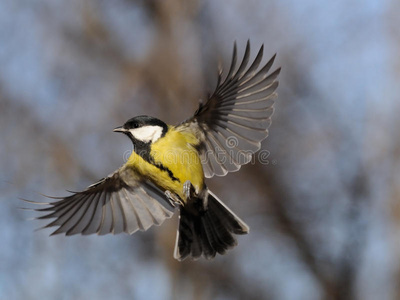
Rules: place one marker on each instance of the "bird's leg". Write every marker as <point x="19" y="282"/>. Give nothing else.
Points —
<point x="173" y="198"/>
<point x="204" y="195"/>
<point x="189" y="191"/>
<point x="198" y="201"/>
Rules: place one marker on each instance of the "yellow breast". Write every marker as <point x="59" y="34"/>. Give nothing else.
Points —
<point x="175" y="161"/>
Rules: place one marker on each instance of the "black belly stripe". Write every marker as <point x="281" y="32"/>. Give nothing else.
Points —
<point x="170" y="174"/>
<point x="143" y="150"/>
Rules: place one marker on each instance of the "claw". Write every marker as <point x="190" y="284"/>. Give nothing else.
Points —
<point x="189" y="190"/>
<point x="173" y="199"/>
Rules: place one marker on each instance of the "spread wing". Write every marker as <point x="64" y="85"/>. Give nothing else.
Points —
<point x="235" y="118"/>
<point x="115" y="204"/>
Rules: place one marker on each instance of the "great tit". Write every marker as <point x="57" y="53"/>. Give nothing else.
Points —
<point x="169" y="164"/>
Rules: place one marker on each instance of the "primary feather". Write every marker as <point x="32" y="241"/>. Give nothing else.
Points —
<point x="115" y="204"/>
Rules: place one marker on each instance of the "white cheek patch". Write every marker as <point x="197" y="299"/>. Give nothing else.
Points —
<point x="147" y="133"/>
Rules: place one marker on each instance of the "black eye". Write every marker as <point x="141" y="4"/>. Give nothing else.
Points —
<point x="132" y="125"/>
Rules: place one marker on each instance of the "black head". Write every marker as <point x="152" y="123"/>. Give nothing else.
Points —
<point x="141" y="121"/>
<point x="143" y="129"/>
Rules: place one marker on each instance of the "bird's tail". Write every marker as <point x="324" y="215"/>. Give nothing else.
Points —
<point x="207" y="232"/>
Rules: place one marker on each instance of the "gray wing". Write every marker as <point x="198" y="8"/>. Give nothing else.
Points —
<point x="235" y="118"/>
<point x="115" y="204"/>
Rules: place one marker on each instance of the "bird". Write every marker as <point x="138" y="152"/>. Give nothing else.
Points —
<point x="167" y="169"/>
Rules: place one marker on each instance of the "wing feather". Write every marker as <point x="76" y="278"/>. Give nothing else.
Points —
<point x="143" y="213"/>
<point x="239" y="110"/>
<point x="123" y="215"/>
<point x="82" y="216"/>
<point x="118" y="217"/>
<point x="115" y="204"/>
<point x="106" y="220"/>
<point x="95" y="218"/>
<point x="133" y="223"/>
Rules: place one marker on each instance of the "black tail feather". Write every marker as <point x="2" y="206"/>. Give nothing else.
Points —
<point x="209" y="232"/>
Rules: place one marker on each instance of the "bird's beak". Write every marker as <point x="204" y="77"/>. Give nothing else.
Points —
<point x="119" y="129"/>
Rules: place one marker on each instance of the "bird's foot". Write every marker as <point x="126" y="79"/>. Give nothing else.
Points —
<point x="173" y="199"/>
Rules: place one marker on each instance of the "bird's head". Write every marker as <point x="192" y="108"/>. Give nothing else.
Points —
<point x="143" y="129"/>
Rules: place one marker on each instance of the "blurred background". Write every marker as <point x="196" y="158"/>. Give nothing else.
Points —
<point x="323" y="207"/>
